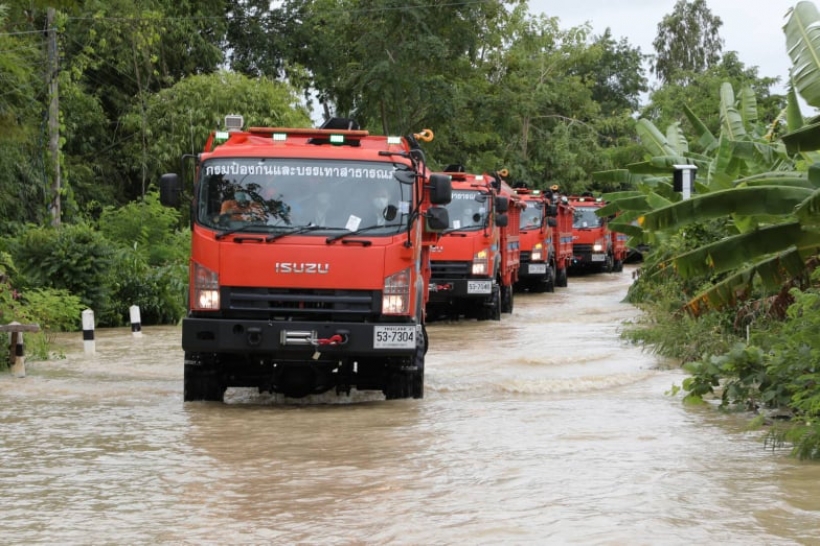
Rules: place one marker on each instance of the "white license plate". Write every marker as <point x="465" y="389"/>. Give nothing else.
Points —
<point x="479" y="287"/>
<point x="537" y="269"/>
<point x="394" y="337"/>
<point x="599" y="257"/>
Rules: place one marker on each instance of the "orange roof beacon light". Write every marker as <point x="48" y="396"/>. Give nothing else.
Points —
<point x="278" y="300"/>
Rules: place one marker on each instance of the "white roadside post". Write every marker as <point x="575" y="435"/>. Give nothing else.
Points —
<point x="88" y="332"/>
<point x="18" y="361"/>
<point x="683" y="179"/>
<point x="136" y="324"/>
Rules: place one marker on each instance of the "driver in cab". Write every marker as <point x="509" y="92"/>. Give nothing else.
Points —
<point x="243" y="208"/>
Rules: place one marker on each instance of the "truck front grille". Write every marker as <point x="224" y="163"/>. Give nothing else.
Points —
<point x="449" y="270"/>
<point x="302" y="304"/>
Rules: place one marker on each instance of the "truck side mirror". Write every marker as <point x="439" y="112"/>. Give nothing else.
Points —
<point x="437" y="219"/>
<point x="502" y="204"/>
<point x="501" y="220"/>
<point x="552" y="222"/>
<point x="441" y="189"/>
<point x="170" y="190"/>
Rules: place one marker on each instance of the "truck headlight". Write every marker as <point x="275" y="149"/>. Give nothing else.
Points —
<point x="537" y="253"/>
<point x="204" y="289"/>
<point x="396" y="295"/>
<point x="481" y="263"/>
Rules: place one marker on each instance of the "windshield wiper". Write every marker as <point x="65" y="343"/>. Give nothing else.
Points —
<point x="297" y="231"/>
<point x="361" y="230"/>
<point x="223" y="234"/>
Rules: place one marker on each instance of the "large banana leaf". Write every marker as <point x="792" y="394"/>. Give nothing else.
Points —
<point x="808" y="211"/>
<point x="803" y="46"/>
<point x="730" y="119"/>
<point x="747" y="201"/>
<point x="733" y="252"/>
<point x="705" y="136"/>
<point x="748" y="106"/>
<point x="794" y="118"/>
<point x="807" y="138"/>
<point x="619" y="176"/>
<point x="653" y="140"/>
<point x="676" y="139"/>
<point x="778" y="178"/>
<point x="773" y="272"/>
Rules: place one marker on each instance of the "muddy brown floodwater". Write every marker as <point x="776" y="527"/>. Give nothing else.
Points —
<point x="543" y="428"/>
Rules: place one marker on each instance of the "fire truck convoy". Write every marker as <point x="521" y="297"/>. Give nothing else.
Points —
<point x="475" y="263"/>
<point x="594" y="246"/>
<point x="315" y="275"/>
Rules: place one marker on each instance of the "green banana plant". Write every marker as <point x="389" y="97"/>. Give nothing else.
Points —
<point x="742" y="175"/>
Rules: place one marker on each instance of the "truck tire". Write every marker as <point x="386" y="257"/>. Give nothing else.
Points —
<point x="619" y="266"/>
<point x="549" y="282"/>
<point x="494" y="310"/>
<point x="201" y="382"/>
<point x="507" y="299"/>
<point x="561" y="278"/>
<point x="407" y="381"/>
<point x="417" y="375"/>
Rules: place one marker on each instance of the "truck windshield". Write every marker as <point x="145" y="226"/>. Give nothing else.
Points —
<point x="532" y="215"/>
<point x="269" y="194"/>
<point x="467" y="210"/>
<point x="585" y="217"/>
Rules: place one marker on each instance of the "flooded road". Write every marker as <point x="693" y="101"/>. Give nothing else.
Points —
<point x="543" y="428"/>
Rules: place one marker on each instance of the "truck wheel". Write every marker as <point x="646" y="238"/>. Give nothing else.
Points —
<point x="202" y="382"/>
<point x="507" y="299"/>
<point x="549" y="282"/>
<point x="495" y="305"/>
<point x="417" y="375"/>
<point x="619" y="266"/>
<point x="561" y="278"/>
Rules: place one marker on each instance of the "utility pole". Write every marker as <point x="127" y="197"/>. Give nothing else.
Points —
<point x="53" y="118"/>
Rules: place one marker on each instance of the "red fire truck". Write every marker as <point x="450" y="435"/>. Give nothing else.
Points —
<point x="595" y="247"/>
<point x="475" y="262"/>
<point x="537" y="272"/>
<point x="309" y="260"/>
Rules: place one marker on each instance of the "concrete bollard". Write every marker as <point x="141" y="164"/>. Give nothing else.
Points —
<point x="17" y="353"/>
<point x="18" y="360"/>
<point x="136" y="325"/>
<point x="88" y="332"/>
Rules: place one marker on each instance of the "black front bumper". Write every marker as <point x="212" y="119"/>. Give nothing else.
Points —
<point x="295" y="339"/>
